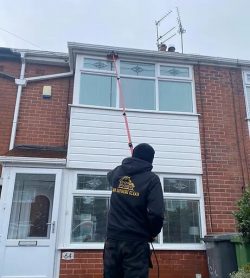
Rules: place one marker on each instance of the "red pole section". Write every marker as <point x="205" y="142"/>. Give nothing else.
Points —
<point x="122" y="103"/>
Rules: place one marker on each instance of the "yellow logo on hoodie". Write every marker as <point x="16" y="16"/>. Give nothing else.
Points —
<point x="126" y="186"/>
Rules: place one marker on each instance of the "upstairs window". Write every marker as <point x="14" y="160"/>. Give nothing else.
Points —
<point x="138" y="85"/>
<point x="145" y="86"/>
<point x="97" y="83"/>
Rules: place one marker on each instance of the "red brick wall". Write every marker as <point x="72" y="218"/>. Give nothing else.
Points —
<point x="224" y="142"/>
<point x="225" y="154"/>
<point x="173" y="264"/>
<point x="8" y="91"/>
<point x="44" y="121"/>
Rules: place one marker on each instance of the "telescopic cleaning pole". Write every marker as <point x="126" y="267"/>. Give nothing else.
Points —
<point x="114" y="56"/>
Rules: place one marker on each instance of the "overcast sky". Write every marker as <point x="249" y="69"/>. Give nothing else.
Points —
<point x="213" y="27"/>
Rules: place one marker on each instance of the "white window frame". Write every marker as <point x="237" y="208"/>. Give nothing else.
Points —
<point x="80" y="69"/>
<point x="72" y="192"/>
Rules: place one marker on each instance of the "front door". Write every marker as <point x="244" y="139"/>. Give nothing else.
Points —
<point x="30" y="222"/>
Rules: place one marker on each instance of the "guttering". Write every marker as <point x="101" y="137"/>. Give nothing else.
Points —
<point x="45" y="57"/>
<point x="20" y="82"/>
<point x="151" y="56"/>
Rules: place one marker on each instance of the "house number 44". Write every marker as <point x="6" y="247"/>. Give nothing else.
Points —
<point x="68" y="256"/>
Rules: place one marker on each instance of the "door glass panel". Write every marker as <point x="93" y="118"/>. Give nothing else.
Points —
<point x="32" y="206"/>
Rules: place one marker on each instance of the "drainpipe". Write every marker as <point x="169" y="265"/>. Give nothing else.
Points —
<point x="20" y="83"/>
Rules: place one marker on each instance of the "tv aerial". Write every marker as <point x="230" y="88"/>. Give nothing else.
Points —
<point x="161" y="39"/>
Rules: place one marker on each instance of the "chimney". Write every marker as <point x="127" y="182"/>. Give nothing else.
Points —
<point x="171" y="48"/>
<point x="162" y="47"/>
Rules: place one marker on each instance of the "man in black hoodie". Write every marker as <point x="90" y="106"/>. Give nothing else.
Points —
<point x="135" y="216"/>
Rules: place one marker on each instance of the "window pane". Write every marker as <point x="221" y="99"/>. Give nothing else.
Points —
<point x="175" y="96"/>
<point x="248" y="78"/>
<point x="89" y="219"/>
<point x="248" y="97"/>
<point x="98" y="64"/>
<point x="179" y="185"/>
<point x="32" y="206"/>
<point x="92" y="182"/>
<point x="98" y="90"/>
<point x="181" y="224"/>
<point x="139" y="93"/>
<point x="137" y="69"/>
<point x="174" y="71"/>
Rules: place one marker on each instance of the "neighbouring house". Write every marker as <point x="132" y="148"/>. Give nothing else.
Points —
<point x="62" y="130"/>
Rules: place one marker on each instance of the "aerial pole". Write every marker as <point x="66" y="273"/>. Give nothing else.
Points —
<point x="181" y="30"/>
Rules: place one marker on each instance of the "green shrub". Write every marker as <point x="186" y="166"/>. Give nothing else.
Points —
<point x="242" y="216"/>
<point x="244" y="272"/>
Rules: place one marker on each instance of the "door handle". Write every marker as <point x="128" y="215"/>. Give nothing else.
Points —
<point x="53" y="226"/>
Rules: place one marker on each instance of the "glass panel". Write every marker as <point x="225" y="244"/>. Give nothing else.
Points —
<point x="98" y="90"/>
<point x="98" y="64"/>
<point x="137" y="69"/>
<point x="31" y="206"/>
<point x="174" y="71"/>
<point x="139" y="93"/>
<point x="89" y="219"/>
<point x="179" y="185"/>
<point x="248" y="77"/>
<point x="175" y="96"/>
<point x="92" y="182"/>
<point x="181" y="224"/>
<point x="248" y="98"/>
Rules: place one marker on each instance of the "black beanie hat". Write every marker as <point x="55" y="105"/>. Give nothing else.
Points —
<point x="145" y="152"/>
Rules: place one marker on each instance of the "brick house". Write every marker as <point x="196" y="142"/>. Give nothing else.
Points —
<point x="61" y="130"/>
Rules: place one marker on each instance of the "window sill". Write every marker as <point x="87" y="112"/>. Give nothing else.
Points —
<point x="165" y="247"/>
<point x="133" y="110"/>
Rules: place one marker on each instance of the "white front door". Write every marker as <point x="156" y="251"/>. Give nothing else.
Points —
<point x="30" y="212"/>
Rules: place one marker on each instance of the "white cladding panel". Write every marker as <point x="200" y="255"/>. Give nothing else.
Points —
<point x="98" y="139"/>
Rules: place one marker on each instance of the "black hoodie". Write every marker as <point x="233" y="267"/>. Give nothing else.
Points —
<point x="136" y="205"/>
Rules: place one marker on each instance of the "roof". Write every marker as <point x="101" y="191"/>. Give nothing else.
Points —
<point x="36" y="151"/>
<point x="69" y="59"/>
<point x="44" y="57"/>
<point x="9" y="54"/>
<point x="151" y="56"/>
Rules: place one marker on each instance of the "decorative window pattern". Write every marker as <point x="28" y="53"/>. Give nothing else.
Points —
<point x="137" y="69"/>
<point x="98" y="64"/>
<point x="182" y="223"/>
<point x="145" y="86"/>
<point x="172" y="71"/>
<point x="172" y="185"/>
